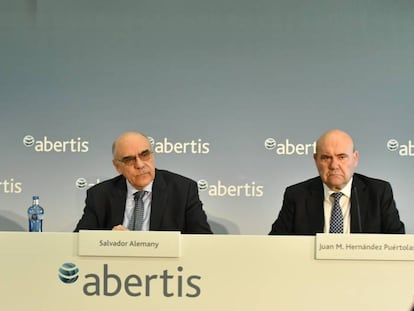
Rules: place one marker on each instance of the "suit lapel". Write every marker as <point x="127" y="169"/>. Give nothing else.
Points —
<point x="118" y="199"/>
<point x="363" y="203"/>
<point x="314" y="206"/>
<point x="158" y="201"/>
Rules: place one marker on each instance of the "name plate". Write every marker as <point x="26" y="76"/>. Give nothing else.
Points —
<point x="364" y="246"/>
<point x="129" y="243"/>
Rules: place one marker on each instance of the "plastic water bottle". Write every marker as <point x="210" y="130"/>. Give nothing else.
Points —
<point x="35" y="215"/>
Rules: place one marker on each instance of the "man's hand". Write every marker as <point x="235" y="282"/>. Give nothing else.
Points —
<point x="120" y="228"/>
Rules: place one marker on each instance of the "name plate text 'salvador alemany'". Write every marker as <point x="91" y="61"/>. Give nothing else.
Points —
<point x="129" y="243"/>
<point x="364" y="246"/>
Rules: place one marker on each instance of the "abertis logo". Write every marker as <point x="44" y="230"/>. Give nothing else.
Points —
<point x="47" y="145"/>
<point x="286" y="147"/>
<point x="106" y="282"/>
<point x="166" y="146"/>
<point x="404" y="150"/>
<point x="220" y="189"/>
<point x="83" y="183"/>
<point x="68" y="273"/>
<point x="10" y="186"/>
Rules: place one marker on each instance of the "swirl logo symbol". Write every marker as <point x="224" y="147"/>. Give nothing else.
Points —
<point x="202" y="185"/>
<point x="68" y="273"/>
<point x="28" y="140"/>
<point x="270" y="143"/>
<point x="393" y="145"/>
<point x="151" y="140"/>
<point x="81" y="183"/>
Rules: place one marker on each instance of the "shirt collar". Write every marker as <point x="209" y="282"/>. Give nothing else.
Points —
<point x="345" y="190"/>
<point x="131" y="189"/>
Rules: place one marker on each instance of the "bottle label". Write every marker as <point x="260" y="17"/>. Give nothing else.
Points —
<point x="36" y="217"/>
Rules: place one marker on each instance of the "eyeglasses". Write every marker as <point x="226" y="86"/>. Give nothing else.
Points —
<point x="131" y="160"/>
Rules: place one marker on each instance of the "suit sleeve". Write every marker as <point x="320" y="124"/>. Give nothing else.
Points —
<point x="89" y="219"/>
<point x="391" y="222"/>
<point x="195" y="217"/>
<point x="284" y="222"/>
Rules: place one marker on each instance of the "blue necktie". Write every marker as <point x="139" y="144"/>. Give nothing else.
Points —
<point x="137" y="218"/>
<point x="337" y="219"/>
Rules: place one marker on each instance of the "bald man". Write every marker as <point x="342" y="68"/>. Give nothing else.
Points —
<point x="170" y="202"/>
<point x="366" y="204"/>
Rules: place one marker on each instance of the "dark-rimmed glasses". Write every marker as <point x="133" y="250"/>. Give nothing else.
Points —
<point x="131" y="160"/>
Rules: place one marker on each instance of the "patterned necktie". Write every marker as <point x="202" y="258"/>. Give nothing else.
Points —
<point x="138" y="215"/>
<point x="337" y="219"/>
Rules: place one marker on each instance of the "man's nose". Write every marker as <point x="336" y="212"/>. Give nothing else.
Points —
<point x="333" y="163"/>
<point x="138" y="163"/>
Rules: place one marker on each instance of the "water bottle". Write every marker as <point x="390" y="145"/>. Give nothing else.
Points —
<point x="35" y="215"/>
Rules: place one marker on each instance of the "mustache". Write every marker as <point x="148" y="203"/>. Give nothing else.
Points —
<point x="142" y="171"/>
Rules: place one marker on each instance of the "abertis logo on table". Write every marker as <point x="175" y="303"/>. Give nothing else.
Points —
<point x="68" y="273"/>
<point x="109" y="283"/>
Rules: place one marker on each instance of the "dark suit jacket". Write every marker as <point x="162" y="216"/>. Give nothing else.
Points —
<point x="302" y="211"/>
<point x="175" y="205"/>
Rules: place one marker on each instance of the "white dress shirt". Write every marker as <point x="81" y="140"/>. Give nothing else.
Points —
<point x="344" y="202"/>
<point x="130" y="203"/>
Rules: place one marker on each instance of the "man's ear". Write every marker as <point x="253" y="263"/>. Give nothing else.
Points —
<point x="356" y="157"/>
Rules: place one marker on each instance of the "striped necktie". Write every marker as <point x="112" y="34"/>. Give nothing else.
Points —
<point x="137" y="218"/>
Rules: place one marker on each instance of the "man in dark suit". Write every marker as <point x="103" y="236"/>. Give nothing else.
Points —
<point x="367" y="205"/>
<point x="170" y="201"/>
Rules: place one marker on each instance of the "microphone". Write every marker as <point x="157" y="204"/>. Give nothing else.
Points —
<point x="358" y="210"/>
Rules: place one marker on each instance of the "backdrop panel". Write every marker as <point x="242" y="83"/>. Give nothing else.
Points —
<point x="234" y="94"/>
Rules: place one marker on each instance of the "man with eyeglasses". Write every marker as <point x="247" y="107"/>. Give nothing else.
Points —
<point x="170" y="202"/>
